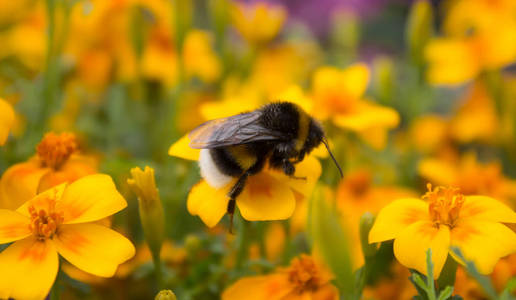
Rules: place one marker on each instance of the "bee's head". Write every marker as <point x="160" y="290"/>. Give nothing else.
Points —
<point x="315" y="138"/>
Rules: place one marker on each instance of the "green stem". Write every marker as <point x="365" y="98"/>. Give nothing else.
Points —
<point x="242" y="243"/>
<point x="447" y="277"/>
<point x="157" y="271"/>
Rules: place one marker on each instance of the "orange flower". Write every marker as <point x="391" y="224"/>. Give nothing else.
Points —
<point x="56" y="162"/>
<point x="305" y="278"/>
<point x="60" y="220"/>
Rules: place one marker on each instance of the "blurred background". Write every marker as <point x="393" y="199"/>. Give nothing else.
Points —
<point x="130" y="77"/>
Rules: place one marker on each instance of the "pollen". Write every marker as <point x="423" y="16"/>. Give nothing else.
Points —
<point x="54" y="149"/>
<point x="45" y="222"/>
<point x="444" y="204"/>
<point x="305" y="275"/>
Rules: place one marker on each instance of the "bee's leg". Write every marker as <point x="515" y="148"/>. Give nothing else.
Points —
<point x="289" y="169"/>
<point x="233" y="194"/>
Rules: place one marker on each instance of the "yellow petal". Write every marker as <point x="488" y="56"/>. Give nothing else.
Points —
<point x="397" y="216"/>
<point x="13" y="226"/>
<point x="93" y="248"/>
<point x="20" y="183"/>
<point x="29" y="267"/>
<point x="43" y="201"/>
<point x="438" y="171"/>
<point x="451" y="62"/>
<point x="354" y="79"/>
<point x="6" y="120"/>
<point x="310" y="168"/>
<point x="75" y="168"/>
<point x="484" y="208"/>
<point x="412" y="243"/>
<point x="271" y="287"/>
<point x="181" y="149"/>
<point x="266" y="198"/>
<point x="209" y="203"/>
<point x="368" y="115"/>
<point x="90" y="198"/>
<point x="483" y="242"/>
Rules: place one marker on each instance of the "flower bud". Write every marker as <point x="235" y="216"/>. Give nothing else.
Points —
<point x="165" y="295"/>
<point x="143" y="185"/>
<point x="419" y="29"/>
<point x="366" y="223"/>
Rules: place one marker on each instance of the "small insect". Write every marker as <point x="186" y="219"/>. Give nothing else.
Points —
<point x="278" y="135"/>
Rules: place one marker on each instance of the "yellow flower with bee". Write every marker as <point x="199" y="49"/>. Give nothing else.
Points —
<point x="235" y="150"/>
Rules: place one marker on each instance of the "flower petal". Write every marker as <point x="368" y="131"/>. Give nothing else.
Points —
<point x="93" y="248"/>
<point x="271" y="287"/>
<point x="412" y="243"/>
<point x="483" y="242"/>
<point x="438" y="171"/>
<point x="395" y="217"/>
<point x="310" y="168"/>
<point x="90" y="198"/>
<point x="484" y="208"/>
<point x="29" y="267"/>
<point x="266" y="198"/>
<point x="368" y="115"/>
<point x="14" y="226"/>
<point x="20" y="183"/>
<point x="182" y="149"/>
<point x="6" y="120"/>
<point x="75" y="168"/>
<point x="43" y="200"/>
<point x="207" y="202"/>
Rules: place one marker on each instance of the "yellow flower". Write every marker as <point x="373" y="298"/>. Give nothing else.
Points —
<point x="56" y="162"/>
<point x="199" y="59"/>
<point x="429" y="133"/>
<point x="305" y="278"/>
<point x="59" y="220"/>
<point x="478" y="36"/>
<point x="6" y="120"/>
<point x="259" y="22"/>
<point x="447" y="218"/>
<point x="268" y="195"/>
<point x="338" y="95"/>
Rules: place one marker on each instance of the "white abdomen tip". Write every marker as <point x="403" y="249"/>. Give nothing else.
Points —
<point x="210" y="172"/>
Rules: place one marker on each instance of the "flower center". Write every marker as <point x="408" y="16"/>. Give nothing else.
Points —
<point x="54" y="150"/>
<point x="305" y="275"/>
<point x="444" y="204"/>
<point x="45" y="222"/>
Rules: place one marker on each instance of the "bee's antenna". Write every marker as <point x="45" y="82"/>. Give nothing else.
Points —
<point x="325" y="142"/>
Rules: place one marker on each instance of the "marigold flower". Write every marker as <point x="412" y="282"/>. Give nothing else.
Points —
<point x="268" y="195"/>
<point x="6" y="120"/>
<point x="338" y="96"/>
<point x="60" y="220"/>
<point x="305" y="278"/>
<point x="258" y="22"/>
<point x="446" y="219"/>
<point x="56" y="162"/>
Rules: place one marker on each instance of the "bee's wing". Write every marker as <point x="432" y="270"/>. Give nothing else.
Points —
<point x="234" y="130"/>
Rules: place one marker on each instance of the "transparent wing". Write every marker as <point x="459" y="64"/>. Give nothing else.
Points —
<point x="235" y="130"/>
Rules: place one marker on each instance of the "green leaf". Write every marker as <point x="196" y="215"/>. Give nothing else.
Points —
<point x="446" y="293"/>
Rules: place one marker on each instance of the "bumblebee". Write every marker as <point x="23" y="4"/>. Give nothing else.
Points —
<point x="278" y="135"/>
